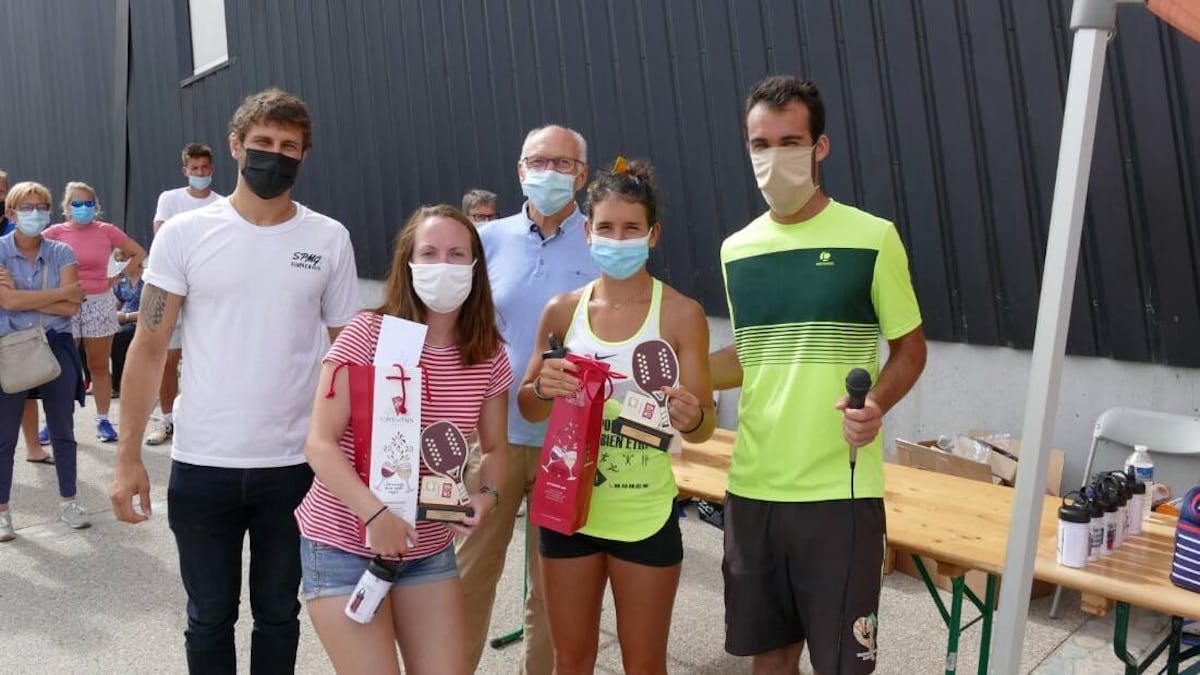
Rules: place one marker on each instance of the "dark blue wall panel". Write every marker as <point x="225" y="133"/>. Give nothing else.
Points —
<point x="944" y="116"/>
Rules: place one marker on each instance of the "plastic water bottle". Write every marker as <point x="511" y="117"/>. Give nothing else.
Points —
<point x="1073" y="536"/>
<point x="374" y="585"/>
<point x="1143" y="468"/>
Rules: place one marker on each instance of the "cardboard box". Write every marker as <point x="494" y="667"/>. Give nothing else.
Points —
<point x="1000" y="469"/>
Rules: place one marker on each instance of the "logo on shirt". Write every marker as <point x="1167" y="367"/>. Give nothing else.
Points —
<point x="825" y="259"/>
<point x="306" y="261"/>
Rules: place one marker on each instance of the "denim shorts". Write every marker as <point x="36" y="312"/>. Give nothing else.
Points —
<point x="329" y="571"/>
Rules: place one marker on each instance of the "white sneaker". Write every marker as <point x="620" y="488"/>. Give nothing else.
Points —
<point x="74" y="516"/>
<point x="161" y="433"/>
<point x="7" y="533"/>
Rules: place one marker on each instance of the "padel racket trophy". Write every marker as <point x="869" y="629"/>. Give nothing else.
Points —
<point x="443" y="496"/>
<point x="644" y="417"/>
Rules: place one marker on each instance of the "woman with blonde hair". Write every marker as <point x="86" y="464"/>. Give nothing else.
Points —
<point x="41" y="290"/>
<point x="93" y="242"/>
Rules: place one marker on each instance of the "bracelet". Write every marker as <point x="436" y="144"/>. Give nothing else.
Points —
<point x="377" y="514"/>
<point x="490" y="489"/>
<point x="698" y="424"/>
<point x="537" y="391"/>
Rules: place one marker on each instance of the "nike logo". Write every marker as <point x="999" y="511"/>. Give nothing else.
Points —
<point x="602" y="358"/>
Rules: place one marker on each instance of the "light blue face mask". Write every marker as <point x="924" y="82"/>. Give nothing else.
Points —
<point x="83" y="214"/>
<point x="31" y="223"/>
<point x="549" y="191"/>
<point x="199" y="182"/>
<point x="620" y="258"/>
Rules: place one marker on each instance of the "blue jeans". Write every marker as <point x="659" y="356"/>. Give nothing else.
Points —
<point x="330" y="572"/>
<point x="210" y="510"/>
<point x="58" y="401"/>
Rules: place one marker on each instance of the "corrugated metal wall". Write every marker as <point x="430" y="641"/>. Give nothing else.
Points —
<point x="56" y="83"/>
<point x="944" y="116"/>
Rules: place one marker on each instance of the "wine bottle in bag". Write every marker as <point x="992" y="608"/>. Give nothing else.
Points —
<point x="566" y="470"/>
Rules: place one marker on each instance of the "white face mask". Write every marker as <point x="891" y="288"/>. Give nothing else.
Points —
<point x="443" y="287"/>
<point x="785" y="177"/>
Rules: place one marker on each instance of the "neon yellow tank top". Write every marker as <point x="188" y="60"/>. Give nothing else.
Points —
<point x="635" y="486"/>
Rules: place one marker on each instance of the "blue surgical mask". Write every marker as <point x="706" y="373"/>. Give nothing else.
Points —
<point x="620" y="258"/>
<point x="549" y="191"/>
<point x="83" y="214"/>
<point x="199" y="182"/>
<point x="31" y="223"/>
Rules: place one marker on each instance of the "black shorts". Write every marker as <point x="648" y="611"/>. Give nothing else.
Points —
<point x="661" y="549"/>
<point x="786" y="568"/>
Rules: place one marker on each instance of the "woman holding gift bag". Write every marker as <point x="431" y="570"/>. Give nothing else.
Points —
<point x="631" y="536"/>
<point x="41" y="294"/>
<point x="438" y="278"/>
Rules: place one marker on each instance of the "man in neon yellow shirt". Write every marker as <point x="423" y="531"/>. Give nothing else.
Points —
<point x="811" y="286"/>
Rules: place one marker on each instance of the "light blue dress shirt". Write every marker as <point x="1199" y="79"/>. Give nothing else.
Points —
<point x="53" y="256"/>
<point x="526" y="271"/>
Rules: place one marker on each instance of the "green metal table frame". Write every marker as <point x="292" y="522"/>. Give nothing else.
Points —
<point x="1172" y="644"/>
<point x="953" y="618"/>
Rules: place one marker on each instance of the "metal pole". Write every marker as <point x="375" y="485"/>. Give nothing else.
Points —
<point x="1093" y="22"/>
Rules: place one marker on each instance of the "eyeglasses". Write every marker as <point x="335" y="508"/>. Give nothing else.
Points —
<point x="76" y="203"/>
<point x="559" y="164"/>
<point x="30" y="208"/>
<point x="481" y="216"/>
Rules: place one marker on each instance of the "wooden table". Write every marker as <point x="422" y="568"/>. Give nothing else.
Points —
<point x="963" y="525"/>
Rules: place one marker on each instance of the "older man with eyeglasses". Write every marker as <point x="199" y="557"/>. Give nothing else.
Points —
<point x="532" y="256"/>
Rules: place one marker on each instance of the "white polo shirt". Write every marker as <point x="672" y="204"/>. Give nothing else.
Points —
<point x="257" y="301"/>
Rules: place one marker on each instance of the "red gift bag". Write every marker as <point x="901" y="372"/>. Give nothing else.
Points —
<point x="363" y="386"/>
<point x="562" y="488"/>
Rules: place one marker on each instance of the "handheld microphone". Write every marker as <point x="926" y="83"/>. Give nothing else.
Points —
<point x="556" y="350"/>
<point x="858" y="383"/>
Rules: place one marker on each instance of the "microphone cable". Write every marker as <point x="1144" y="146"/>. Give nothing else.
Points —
<point x="849" y="568"/>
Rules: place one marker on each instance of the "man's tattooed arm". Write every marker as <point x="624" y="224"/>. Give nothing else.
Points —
<point x="154" y="302"/>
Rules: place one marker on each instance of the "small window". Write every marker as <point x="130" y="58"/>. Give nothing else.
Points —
<point x="210" y="47"/>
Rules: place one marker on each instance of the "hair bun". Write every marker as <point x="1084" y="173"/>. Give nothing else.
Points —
<point x="642" y="171"/>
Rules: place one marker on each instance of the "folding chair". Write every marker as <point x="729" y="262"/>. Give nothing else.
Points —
<point x="1174" y="442"/>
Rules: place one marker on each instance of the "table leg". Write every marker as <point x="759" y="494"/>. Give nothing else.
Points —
<point x="985" y="638"/>
<point x="933" y="590"/>
<point x="1173" y="648"/>
<point x="1120" y="644"/>
<point x="1120" y="635"/>
<point x="956" y="600"/>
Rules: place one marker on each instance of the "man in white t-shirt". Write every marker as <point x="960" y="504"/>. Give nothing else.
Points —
<point x="257" y="276"/>
<point x="198" y="169"/>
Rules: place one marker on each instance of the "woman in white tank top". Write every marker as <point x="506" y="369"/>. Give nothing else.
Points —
<point x="632" y="533"/>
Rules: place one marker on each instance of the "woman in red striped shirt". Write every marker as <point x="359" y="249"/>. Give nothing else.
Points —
<point x="438" y="278"/>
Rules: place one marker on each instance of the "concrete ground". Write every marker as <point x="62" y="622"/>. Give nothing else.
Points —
<point x="108" y="599"/>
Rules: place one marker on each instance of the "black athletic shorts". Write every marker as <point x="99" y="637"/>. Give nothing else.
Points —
<point x="661" y="549"/>
<point x="786" y="567"/>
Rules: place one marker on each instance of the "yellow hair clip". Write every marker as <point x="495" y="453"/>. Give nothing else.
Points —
<point x="620" y="166"/>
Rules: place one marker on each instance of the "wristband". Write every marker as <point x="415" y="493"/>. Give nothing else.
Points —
<point x="490" y="489"/>
<point x="698" y="424"/>
<point x="377" y="514"/>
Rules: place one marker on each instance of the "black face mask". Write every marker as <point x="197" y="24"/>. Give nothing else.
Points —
<point x="269" y="174"/>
